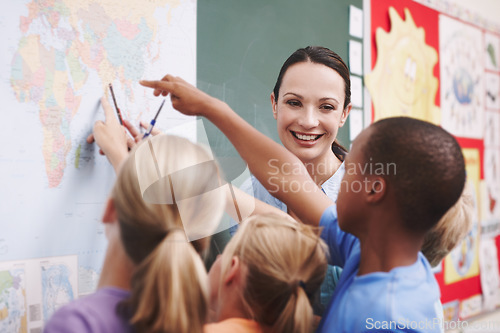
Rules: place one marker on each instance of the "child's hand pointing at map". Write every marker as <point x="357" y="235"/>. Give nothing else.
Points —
<point x="110" y="136"/>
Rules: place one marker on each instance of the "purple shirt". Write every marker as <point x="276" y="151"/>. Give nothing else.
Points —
<point x="93" y="313"/>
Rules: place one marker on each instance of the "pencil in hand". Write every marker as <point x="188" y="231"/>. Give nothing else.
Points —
<point x="116" y="105"/>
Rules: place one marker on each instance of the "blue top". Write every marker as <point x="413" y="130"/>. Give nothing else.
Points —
<point x="406" y="299"/>
<point x="94" y="313"/>
<point x="253" y="187"/>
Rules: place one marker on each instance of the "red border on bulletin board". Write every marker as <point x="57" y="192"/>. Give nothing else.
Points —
<point x="472" y="286"/>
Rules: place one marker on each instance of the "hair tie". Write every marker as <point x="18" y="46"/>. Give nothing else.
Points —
<point x="302" y="285"/>
<point x="170" y="230"/>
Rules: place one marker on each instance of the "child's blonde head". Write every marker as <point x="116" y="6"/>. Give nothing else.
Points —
<point x="158" y="192"/>
<point x="285" y="264"/>
<point x="451" y="229"/>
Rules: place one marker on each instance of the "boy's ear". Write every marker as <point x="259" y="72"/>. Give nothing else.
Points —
<point x="274" y="105"/>
<point x="377" y="188"/>
<point x="110" y="212"/>
<point x="233" y="273"/>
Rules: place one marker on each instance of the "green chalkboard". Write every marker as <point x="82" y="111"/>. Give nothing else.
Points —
<point x="240" y="49"/>
<point x="243" y="43"/>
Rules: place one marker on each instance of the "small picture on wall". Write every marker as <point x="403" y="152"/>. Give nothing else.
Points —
<point x="461" y="71"/>
<point x="492" y="89"/>
<point x="492" y="54"/>
<point x="492" y="129"/>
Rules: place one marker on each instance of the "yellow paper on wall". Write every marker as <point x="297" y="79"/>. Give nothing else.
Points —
<point x="463" y="262"/>
<point x="402" y="82"/>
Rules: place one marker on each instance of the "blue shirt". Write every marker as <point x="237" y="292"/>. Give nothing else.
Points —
<point x="406" y="299"/>
<point x="253" y="187"/>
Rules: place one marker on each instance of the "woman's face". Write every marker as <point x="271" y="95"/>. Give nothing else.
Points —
<point x="309" y="110"/>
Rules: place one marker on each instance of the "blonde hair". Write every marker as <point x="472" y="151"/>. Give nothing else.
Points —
<point x="451" y="228"/>
<point x="169" y="286"/>
<point x="286" y="263"/>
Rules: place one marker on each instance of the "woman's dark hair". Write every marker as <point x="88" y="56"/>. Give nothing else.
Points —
<point x="324" y="56"/>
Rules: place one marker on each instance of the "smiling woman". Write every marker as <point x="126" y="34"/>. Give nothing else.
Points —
<point x="309" y="112"/>
<point x="310" y="101"/>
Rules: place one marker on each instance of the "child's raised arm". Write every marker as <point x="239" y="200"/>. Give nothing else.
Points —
<point x="276" y="168"/>
<point x="110" y="136"/>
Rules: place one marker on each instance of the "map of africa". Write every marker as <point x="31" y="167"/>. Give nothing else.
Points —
<point x="58" y="58"/>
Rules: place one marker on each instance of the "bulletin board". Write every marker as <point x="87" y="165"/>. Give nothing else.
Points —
<point x="446" y="69"/>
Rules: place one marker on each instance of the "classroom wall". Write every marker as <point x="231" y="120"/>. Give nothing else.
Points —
<point x="488" y="9"/>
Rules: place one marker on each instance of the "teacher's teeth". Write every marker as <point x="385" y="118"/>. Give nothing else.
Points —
<point x="306" y="137"/>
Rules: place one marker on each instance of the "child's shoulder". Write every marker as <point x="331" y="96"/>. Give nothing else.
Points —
<point x="240" y="325"/>
<point x="417" y="276"/>
<point x="95" y="313"/>
<point x="404" y="294"/>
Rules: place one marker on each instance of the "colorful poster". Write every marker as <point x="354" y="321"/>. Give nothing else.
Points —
<point x="492" y="54"/>
<point x="450" y="311"/>
<point x="490" y="222"/>
<point x="462" y="83"/>
<point x="13" y="304"/>
<point x="492" y="183"/>
<point x="492" y="90"/>
<point x="492" y="129"/>
<point x="32" y="290"/>
<point x="463" y="261"/>
<point x="470" y="307"/>
<point x="490" y="279"/>
<point x="402" y="82"/>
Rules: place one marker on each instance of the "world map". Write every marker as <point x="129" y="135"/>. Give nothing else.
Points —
<point x="62" y="42"/>
<point x="58" y="58"/>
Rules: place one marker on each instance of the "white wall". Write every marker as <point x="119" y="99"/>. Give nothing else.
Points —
<point x="489" y="9"/>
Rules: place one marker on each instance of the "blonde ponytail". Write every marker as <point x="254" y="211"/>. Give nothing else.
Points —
<point x="297" y="316"/>
<point x="169" y="288"/>
<point x="285" y="262"/>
